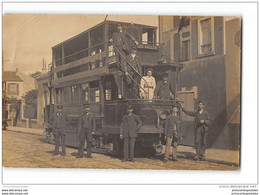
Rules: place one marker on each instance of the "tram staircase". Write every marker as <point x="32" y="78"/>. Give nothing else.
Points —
<point x="129" y="93"/>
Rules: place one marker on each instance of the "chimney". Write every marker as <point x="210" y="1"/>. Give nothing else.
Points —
<point x="16" y="71"/>
<point x="44" y="69"/>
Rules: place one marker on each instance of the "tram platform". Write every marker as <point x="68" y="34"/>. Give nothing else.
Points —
<point x="220" y="156"/>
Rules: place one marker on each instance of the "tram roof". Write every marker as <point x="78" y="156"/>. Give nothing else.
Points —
<point x="101" y="23"/>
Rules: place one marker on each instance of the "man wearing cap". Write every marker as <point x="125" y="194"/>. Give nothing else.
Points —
<point x="201" y="124"/>
<point x="86" y="128"/>
<point x="172" y="130"/>
<point x="133" y="70"/>
<point x="120" y="40"/>
<point x="131" y="123"/>
<point x="162" y="90"/>
<point x="148" y="85"/>
<point x="59" y="123"/>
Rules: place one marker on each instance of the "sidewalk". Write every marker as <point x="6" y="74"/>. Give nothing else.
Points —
<point x="220" y="156"/>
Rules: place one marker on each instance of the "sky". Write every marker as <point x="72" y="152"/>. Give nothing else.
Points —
<point x="28" y="38"/>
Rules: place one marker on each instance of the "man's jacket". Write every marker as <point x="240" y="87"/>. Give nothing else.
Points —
<point x="203" y="116"/>
<point x="130" y="125"/>
<point x="172" y="126"/>
<point x="87" y="122"/>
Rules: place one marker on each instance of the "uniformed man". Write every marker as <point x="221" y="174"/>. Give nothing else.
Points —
<point x="172" y="132"/>
<point x="86" y="128"/>
<point x="133" y="69"/>
<point x="148" y="85"/>
<point x="162" y="60"/>
<point x="201" y="124"/>
<point x="162" y="90"/>
<point x="131" y="123"/>
<point x="120" y="40"/>
<point x="59" y="123"/>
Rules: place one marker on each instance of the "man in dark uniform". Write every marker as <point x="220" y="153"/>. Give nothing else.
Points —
<point x="201" y="123"/>
<point x="172" y="130"/>
<point x="59" y="124"/>
<point x="86" y="128"/>
<point x="134" y="72"/>
<point x="131" y="123"/>
<point x="162" y="90"/>
<point x="120" y="40"/>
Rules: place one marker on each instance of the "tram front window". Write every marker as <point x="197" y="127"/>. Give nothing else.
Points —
<point x="94" y="91"/>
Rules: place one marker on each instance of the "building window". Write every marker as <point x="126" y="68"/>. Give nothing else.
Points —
<point x="176" y="21"/>
<point x="206" y="36"/>
<point x="13" y="89"/>
<point x="186" y="50"/>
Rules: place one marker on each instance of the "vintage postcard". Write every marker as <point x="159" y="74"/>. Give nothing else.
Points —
<point x="121" y="92"/>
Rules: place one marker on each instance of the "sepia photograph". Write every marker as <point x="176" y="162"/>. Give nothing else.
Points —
<point x="160" y="92"/>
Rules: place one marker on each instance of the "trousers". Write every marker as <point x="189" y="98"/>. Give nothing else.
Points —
<point x="129" y="147"/>
<point x="169" y="142"/>
<point x="60" y="135"/>
<point x="85" y="135"/>
<point x="200" y="142"/>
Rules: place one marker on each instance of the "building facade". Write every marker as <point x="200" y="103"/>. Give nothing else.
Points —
<point x="210" y="50"/>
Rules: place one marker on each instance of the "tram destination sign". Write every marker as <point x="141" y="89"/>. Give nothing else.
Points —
<point x="147" y="46"/>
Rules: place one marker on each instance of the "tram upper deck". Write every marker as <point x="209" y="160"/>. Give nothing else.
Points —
<point x="91" y="53"/>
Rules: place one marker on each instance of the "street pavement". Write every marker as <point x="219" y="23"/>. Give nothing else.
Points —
<point x="23" y="147"/>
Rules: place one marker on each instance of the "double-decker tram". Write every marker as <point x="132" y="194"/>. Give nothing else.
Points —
<point x="85" y="70"/>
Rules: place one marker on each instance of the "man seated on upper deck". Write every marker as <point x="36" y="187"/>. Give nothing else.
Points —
<point x="162" y="90"/>
<point x="148" y="85"/>
<point x="133" y="71"/>
<point x="120" y="40"/>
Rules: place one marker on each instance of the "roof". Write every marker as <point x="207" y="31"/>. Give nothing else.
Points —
<point x="101" y="23"/>
<point x="11" y="76"/>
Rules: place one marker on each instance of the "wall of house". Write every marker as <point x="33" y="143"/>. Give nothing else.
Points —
<point x="216" y="76"/>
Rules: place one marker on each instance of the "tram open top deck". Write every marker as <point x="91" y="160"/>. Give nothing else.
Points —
<point x="90" y="52"/>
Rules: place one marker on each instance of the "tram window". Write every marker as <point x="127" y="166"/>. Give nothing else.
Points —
<point x="84" y="92"/>
<point x="148" y="36"/>
<point x="76" y="48"/>
<point x="108" y="94"/>
<point x="111" y="51"/>
<point x="52" y="96"/>
<point x="65" y="94"/>
<point x="145" y="38"/>
<point x="92" y="65"/>
<point x="97" y="39"/>
<point x="74" y="93"/>
<point x="58" y="93"/>
<point x="94" y="91"/>
<point x="57" y="54"/>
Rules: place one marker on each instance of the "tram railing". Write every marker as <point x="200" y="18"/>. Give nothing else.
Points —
<point x="135" y="70"/>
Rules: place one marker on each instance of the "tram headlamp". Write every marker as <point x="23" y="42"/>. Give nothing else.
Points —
<point x="163" y="115"/>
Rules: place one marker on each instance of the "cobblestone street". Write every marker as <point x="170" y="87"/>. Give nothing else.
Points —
<point x="32" y="151"/>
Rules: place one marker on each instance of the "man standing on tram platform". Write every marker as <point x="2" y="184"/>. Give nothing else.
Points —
<point x="120" y="40"/>
<point x="201" y="124"/>
<point x="86" y="128"/>
<point x="162" y="90"/>
<point x="133" y="69"/>
<point x="131" y="123"/>
<point x="59" y="124"/>
<point x="148" y="85"/>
